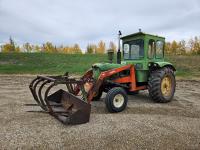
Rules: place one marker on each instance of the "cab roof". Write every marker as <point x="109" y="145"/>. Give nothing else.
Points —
<point x="140" y="34"/>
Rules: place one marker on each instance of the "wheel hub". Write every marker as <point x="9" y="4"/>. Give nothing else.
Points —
<point x="166" y="86"/>
<point x="118" y="100"/>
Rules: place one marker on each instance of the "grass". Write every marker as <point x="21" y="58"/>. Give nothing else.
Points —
<point x="187" y="66"/>
<point x="46" y="63"/>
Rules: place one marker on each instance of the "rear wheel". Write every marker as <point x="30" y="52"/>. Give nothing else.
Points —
<point x="162" y="85"/>
<point x="116" y="99"/>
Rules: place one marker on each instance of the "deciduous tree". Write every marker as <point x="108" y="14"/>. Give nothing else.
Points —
<point x="174" y="47"/>
<point x="181" y="47"/>
<point x="76" y="49"/>
<point x="112" y="46"/>
<point x="49" y="48"/>
<point x="101" y="48"/>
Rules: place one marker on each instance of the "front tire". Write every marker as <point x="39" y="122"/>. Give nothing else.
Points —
<point x="162" y="85"/>
<point x="116" y="100"/>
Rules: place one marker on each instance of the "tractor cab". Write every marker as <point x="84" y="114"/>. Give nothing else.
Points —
<point x="142" y="50"/>
<point x="141" y="46"/>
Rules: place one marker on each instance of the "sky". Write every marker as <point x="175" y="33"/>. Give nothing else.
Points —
<point x="65" y="22"/>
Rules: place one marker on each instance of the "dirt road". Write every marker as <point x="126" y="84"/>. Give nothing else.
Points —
<point x="144" y="124"/>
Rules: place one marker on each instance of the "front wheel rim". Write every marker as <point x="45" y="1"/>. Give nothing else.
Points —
<point x="118" y="100"/>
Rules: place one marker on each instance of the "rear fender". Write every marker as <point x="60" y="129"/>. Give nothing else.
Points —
<point x="157" y="65"/>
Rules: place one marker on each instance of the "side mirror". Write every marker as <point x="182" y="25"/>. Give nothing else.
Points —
<point x="110" y="55"/>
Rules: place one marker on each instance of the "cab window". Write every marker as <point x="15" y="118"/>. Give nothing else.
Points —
<point x="151" y="49"/>
<point x="134" y="49"/>
<point x="126" y="51"/>
<point x="159" y="49"/>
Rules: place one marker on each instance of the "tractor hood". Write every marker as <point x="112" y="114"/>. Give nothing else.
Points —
<point x="106" y="66"/>
<point x="100" y="67"/>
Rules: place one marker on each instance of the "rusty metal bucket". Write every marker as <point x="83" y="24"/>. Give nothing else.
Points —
<point x="66" y="106"/>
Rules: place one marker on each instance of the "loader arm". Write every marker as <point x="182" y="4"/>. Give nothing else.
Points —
<point x="128" y="79"/>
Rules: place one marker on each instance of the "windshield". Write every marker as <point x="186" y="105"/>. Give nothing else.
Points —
<point x="134" y="49"/>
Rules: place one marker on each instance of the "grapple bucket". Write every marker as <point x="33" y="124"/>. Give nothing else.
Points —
<point x="66" y="106"/>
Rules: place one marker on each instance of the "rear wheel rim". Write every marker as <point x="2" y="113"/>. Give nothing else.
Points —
<point x="118" y="100"/>
<point x="166" y="86"/>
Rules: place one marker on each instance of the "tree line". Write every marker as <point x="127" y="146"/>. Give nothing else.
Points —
<point x="49" y="47"/>
<point x="192" y="46"/>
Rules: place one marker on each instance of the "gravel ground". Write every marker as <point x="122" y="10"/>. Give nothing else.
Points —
<point x="143" y="125"/>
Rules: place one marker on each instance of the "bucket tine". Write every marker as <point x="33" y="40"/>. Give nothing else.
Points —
<point x="40" y="94"/>
<point x="45" y="98"/>
<point x="33" y="89"/>
<point x="69" y="88"/>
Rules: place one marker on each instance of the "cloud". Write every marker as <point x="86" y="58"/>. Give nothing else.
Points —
<point x="87" y="21"/>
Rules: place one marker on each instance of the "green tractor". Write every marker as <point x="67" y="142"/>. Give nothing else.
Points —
<point x="142" y="68"/>
<point x="146" y="53"/>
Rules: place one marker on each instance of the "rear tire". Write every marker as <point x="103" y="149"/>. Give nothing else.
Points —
<point x="116" y="100"/>
<point x="162" y="85"/>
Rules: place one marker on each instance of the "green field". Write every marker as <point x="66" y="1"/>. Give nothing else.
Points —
<point x="186" y="66"/>
<point x="47" y="63"/>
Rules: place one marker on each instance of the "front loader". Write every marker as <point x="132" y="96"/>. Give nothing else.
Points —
<point x="142" y="68"/>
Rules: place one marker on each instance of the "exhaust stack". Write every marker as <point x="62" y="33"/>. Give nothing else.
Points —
<point x="119" y="52"/>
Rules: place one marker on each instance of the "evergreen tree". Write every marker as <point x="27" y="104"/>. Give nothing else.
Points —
<point x="10" y="47"/>
<point x="91" y="48"/>
<point x="27" y="47"/>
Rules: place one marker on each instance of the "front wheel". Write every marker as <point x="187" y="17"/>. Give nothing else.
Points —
<point x="116" y="100"/>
